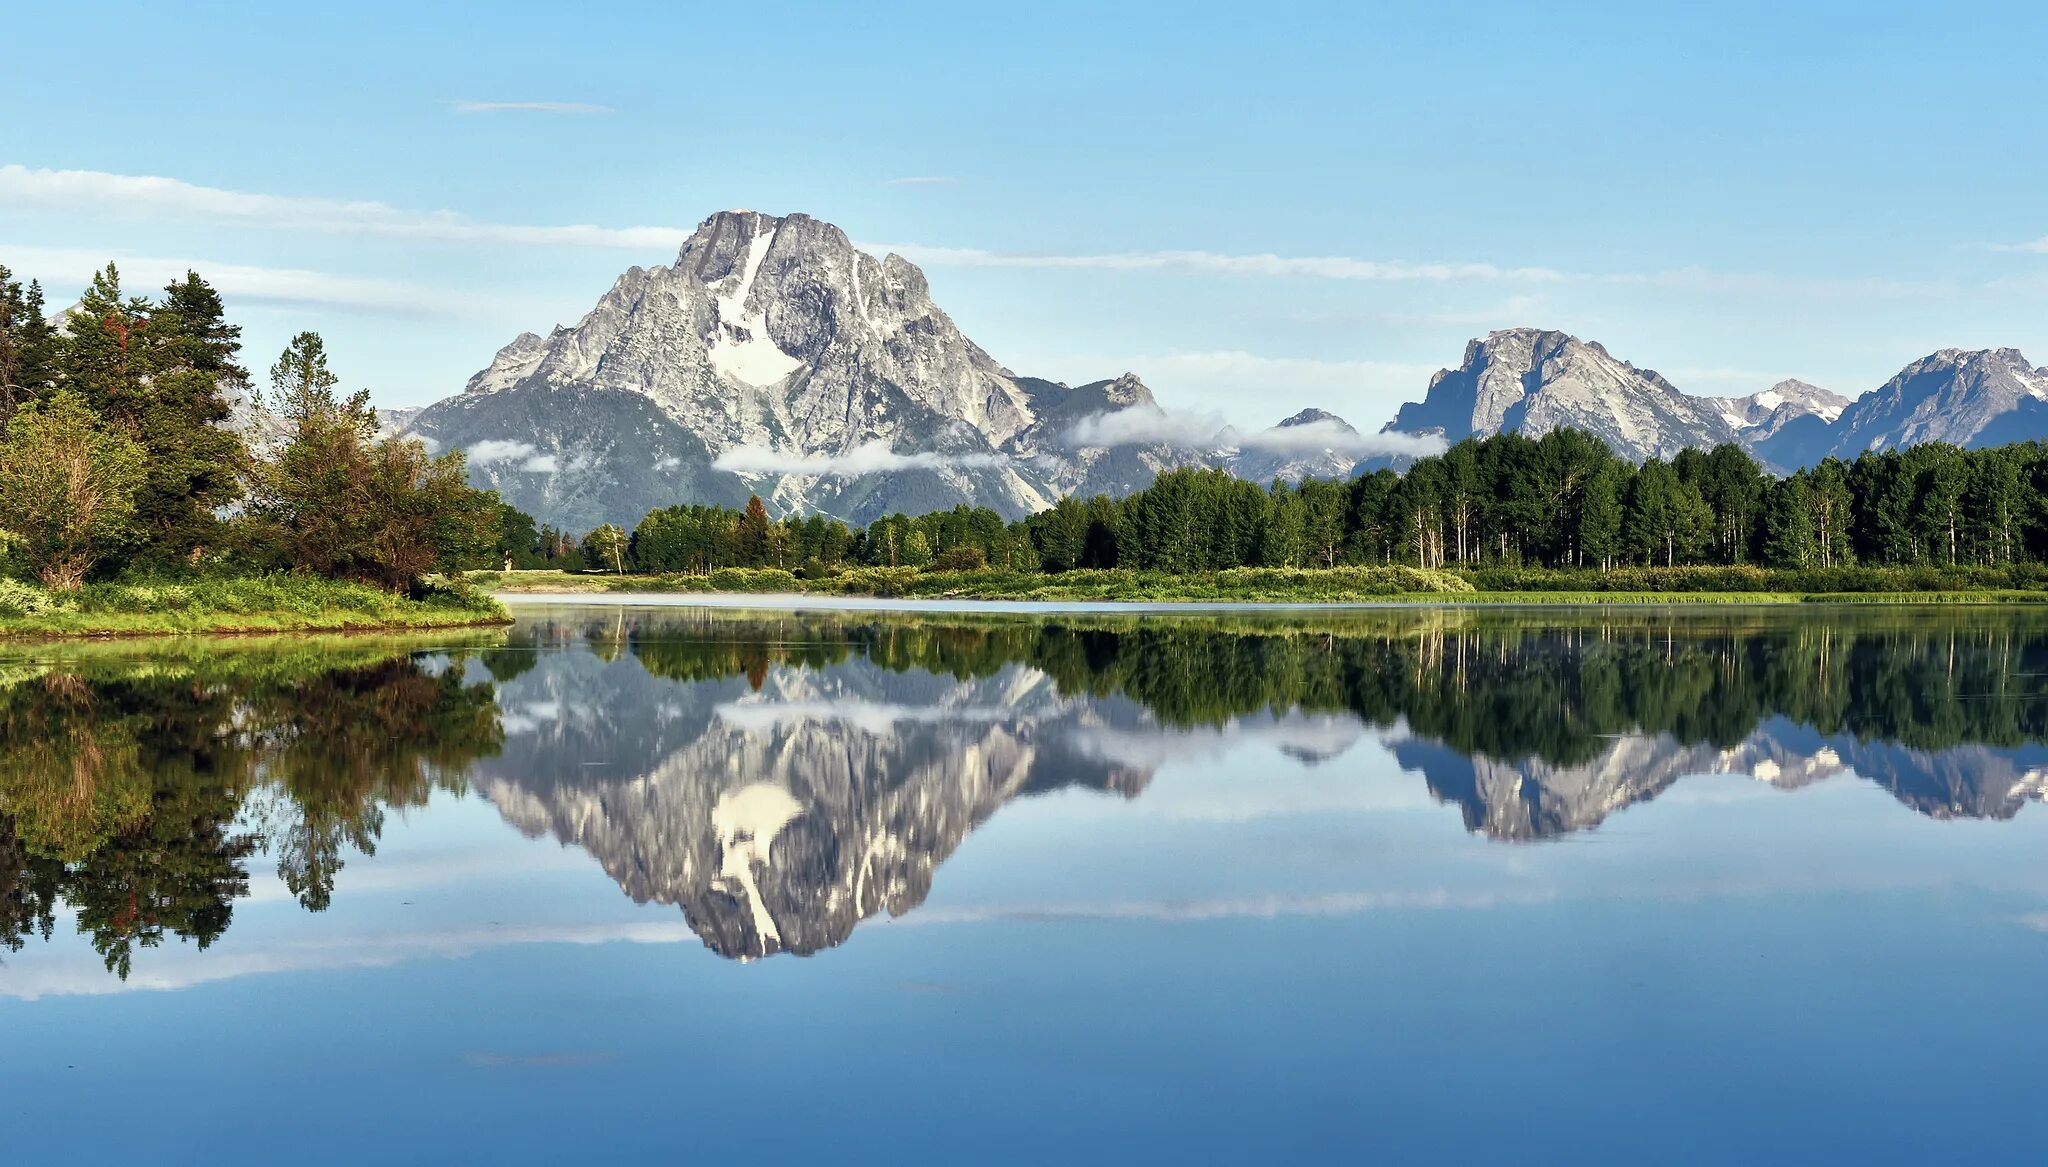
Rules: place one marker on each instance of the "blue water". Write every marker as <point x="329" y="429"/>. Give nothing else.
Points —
<point x="1260" y="938"/>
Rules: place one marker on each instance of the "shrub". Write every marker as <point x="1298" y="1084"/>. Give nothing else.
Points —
<point x="960" y="559"/>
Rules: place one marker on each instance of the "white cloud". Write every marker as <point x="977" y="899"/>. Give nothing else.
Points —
<point x="61" y="267"/>
<point x="871" y="458"/>
<point x="1330" y="267"/>
<point x="1148" y="425"/>
<point x="1144" y="425"/>
<point x="2038" y="246"/>
<point x="1315" y="436"/>
<point x="141" y="196"/>
<point x="871" y="717"/>
<point x="529" y="107"/>
<point x="494" y="450"/>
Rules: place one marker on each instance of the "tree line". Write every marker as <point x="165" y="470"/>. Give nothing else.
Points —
<point x="1561" y="501"/>
<point x="119" y="452"/>
<point x="1566" y="500"/>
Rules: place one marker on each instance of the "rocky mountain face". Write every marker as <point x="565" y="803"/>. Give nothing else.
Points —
<point x="1319" y="452"/>
<point x="771" y="343"/>
<point x="773" y="357"/>
<point x="1983" y="398"/>
<point x="1533" y="381"/>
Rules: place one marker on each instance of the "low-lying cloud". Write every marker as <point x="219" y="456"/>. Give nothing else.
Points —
<point x="495" y="451"/>
<point x="1145" y="425"/>
<point x="869" y="458"/>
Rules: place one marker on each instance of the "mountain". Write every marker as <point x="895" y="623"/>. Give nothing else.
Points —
<point x="770" y="355"/>
<point x="1786" y="423"/>
<point x="773" y="357"/>
<point x="1983" y="398"/>
<point x="1532" y="381"/>
<point x="1310" y="444"/>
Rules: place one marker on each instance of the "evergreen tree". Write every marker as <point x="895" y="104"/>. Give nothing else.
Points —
<point x="27" y="346"/>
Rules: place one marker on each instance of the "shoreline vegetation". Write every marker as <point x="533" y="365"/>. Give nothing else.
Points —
<point x="233" y="605"/>
<point x="1396" y="584"/>
<point x="147" y="487"/>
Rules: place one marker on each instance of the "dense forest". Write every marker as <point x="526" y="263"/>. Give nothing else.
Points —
<point x="1562" y="501"/>
<point x="117" y="454"/>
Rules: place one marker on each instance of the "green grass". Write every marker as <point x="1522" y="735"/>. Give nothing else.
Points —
<point x="1334" y="585"/>
<point x="231" y="604"/>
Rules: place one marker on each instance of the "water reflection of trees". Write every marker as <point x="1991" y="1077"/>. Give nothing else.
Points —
<point x="137" y="793"/>
<point x="1509" y="685"/>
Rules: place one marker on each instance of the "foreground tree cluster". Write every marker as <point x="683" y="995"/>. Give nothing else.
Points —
<point x="117" y="452"/>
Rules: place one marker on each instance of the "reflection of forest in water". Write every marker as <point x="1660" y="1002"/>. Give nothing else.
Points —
<point x="790" y="775"/>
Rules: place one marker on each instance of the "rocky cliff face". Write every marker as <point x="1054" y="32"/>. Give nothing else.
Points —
<point x="1532" y="381"/>
<point x="1982" y="398"/>
<point x="773" y="357"/>
<point x="788" y="358"/>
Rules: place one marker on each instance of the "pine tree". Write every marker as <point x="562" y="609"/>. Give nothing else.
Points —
<point x="27" y="346"/>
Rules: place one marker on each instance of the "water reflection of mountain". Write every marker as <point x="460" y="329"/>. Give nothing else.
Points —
<point x="782" y="778"/>
<point x="780" y="806"/>
<point x="1535" y="799"/>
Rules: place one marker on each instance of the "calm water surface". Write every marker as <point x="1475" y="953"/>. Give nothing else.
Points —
<point x="683" y="885"/>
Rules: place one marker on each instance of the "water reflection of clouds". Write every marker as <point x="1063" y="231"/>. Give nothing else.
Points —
<point x="872" y="717"/>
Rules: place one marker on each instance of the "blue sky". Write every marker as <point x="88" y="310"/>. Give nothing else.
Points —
<point x="1254" y="207"/>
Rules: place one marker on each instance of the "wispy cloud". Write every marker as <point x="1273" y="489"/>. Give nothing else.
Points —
<point x="870" y="458"/>
<point x="150" y="197"/>
<point x="65" y="267"/>
<point x="528" y="107"/>
<point x="1149" y="425"/>
<point x="922" y="180"/>
<point x="1235" y="377"/>
<point x="2037" y="246"/>
<point x="1328" y="267"/>
<point x="493" y="451"/>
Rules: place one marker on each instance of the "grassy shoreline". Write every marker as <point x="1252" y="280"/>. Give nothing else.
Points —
<point x="1395" y="585"/>
<point x="232" y="606"/>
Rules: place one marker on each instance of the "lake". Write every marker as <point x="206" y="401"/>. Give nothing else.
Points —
<point x="627" y="882"/>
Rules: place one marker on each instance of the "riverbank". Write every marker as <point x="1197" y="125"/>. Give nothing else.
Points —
<point x="1343" y="585"/>
<point x="235" y="605"/>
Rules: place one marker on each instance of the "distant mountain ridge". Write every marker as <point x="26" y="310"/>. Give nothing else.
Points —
<point x="1532" y="381"/>
<point x="775" y="358"/>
